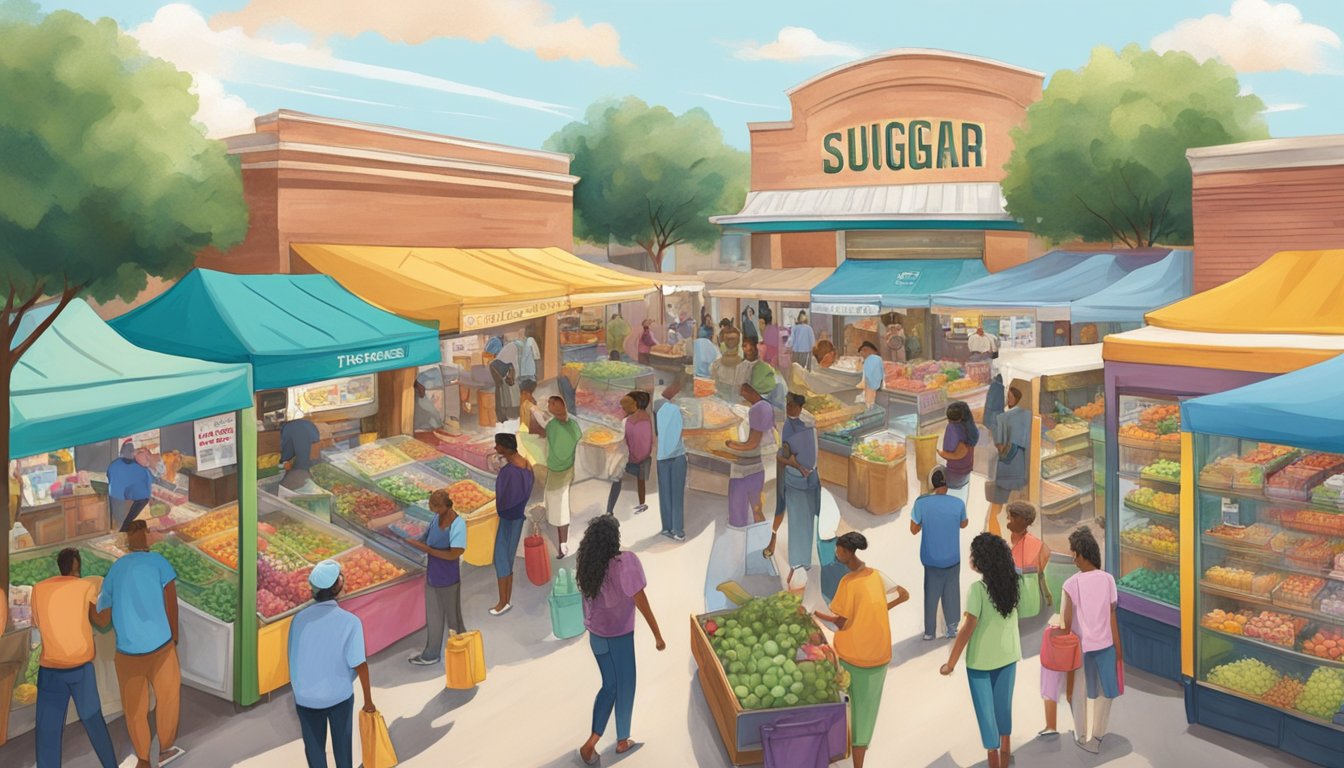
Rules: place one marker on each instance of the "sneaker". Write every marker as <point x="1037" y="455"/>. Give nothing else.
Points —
<point x="1091" y="746"/>
<point x="1045" y="733"/>
<point x="679" y="536"/>
<point x="928" y="637"/>
<point x="501" y="611"/>
<point x="420" y="661"/>
<point x="641" y="508"/>
<point x="169" y="755"/>
<point x="951" y="634"/>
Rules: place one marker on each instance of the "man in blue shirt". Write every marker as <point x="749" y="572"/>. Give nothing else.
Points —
<point x="326" y="654"/>
<point x="668" y="425"/>
<point x="801" y="340"/>
<point x="297" y="438"/>
<point x="140" y="590"/>
<point x="444" y="542"/>
<point x="940" y="518"/>
<point x="128" y="487"/>
<point x="874" y="372"/>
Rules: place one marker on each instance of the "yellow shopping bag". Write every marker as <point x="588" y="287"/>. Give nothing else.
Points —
<point x="377" y="744"/>
<point x="464" y="660"/>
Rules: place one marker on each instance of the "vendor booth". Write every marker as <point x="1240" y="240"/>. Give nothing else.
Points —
<point x="320" y="353"/>
<point x="1262" y="529"/>
<point x="782" y="291"/>
<point x="77" y="395"/>
<point x="1066" y="465"/>
<point x="1279" y="317"/>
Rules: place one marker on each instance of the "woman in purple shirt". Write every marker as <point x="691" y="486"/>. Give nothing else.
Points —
<point x="639" y="443"/>
<point x="958" y="449"/>
<point x="513" y="488"/>
<point x="612" y="584"/>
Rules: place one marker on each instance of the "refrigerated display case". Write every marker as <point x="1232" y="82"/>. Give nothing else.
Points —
<point x="601" y="385"/>
<point x="1071" y="406"/>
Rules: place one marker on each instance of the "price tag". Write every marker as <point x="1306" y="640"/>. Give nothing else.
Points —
<point x="1232" y="513"/>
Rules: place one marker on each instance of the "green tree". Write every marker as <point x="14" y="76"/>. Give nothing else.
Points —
<point x="650" y="178"/>
<point x="106" y="177"/>
<point x="1102" y="155"/>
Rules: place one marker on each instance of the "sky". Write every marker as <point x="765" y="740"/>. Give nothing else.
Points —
<point x="515" y="71"/>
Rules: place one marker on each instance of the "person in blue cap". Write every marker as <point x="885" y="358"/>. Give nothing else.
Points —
<point x="326" y="654"/>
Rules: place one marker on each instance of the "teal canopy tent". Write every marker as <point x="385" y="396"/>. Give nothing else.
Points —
<point x="1136" y="294"/>
<point x="864" y="287"/>
<point x="80" y="383"/>
<point x="292" y="329"/>
<point x="1298" y="409"/>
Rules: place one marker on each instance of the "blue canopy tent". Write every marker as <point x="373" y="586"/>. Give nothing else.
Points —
<point x="1136" y="294"/>
<point x="292" y="329"/>
<point x="1300" y="409"/>
<point x="81" y="383"/>
<point x="862" y="288"/>
<point x="1054" y="280"/>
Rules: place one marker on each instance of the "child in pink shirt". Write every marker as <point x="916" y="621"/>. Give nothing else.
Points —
<point x="1089" y="612"/>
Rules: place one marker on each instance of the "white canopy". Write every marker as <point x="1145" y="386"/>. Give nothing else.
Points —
<point x="1028" y="364"/>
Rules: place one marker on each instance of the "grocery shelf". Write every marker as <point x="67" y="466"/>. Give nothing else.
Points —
<point x="1256" y="700"/>
<point x="1069" y="473"/>
<point x="1280" y="650"/>
<point x="1267" y="559"/>
<point x="1140" y="477"/>
<point x="1083" y="446"/>
<point x="1166" y="516"/>
<point x="1259" y="496"/>
<point x="1268" y="604"/>
<point x="1145" y="596"/>
<point x="1166" y="558"/>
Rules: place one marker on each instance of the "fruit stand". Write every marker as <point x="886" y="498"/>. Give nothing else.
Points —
<point x="765" y="662"/>
<point x="599" y="387"/>
<point x="877" y="476"/>
<point x="1266" y="659"/>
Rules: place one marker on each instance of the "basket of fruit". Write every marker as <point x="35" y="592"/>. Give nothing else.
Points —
<point x="1162" y="470"/>
<point x="364" y="569"/>
<point x="1138" y="447"/>
<point x="373" y="459"/>
<point x="1154" y="502"/>
<point x="1298" y="591"/>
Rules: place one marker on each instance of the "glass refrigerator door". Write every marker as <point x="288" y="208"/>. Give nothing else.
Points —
<point x="1270" y="560"/>
<point x="1068" y="410"/>
<point x="1148" y="492"/>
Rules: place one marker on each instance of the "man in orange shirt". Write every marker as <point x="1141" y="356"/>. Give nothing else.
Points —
<point x="64" y="613"/>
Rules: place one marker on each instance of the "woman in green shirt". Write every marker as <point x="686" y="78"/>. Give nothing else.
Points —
<point x="989" y="636"/>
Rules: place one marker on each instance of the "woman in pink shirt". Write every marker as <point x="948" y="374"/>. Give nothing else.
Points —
<point x="612" y="584"/>
<point x="639" y="444"/>
<point x="1089" y="612"/>
<point x="646" y="342"/>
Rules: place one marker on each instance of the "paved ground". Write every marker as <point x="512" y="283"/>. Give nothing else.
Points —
<point x="533" y="711"/>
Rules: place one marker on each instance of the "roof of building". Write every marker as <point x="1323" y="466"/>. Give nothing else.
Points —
<point x="1298" y="152"/>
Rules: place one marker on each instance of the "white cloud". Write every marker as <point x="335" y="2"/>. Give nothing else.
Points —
<point x="795" y="43"/>
<point x="1255" y="36"/>
<point x="727" y="100"/>
<point x="1272" y="108"/>
<point x="528" y="25"/>
<point x="181" y="35"/>
<point x="222" y="113"/>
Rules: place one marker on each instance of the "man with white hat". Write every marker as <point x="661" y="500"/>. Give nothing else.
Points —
<point x="326" y="654"/>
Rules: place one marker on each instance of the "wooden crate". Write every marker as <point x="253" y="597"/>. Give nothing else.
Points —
<point x="732" y="720"/>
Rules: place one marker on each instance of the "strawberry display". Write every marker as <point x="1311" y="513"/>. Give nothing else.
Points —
<point x="365" y="568"/>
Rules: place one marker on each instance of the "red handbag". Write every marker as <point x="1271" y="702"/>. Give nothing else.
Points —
<point x="1060" y="650"/>
<point x="537" y="558"/>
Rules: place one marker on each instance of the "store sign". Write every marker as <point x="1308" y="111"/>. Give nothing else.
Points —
<point x="216" y="442"/>
<point x="899" y="145"/>
<point x="502" y="316"/>
<point x="844" y="310"/>
<point x="369" y="358"/>
<point x="906" y="278"/>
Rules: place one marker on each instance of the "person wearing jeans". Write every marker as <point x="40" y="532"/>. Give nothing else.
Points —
<point x="639" y="446"/>
<point x="669" y="423"/>
<point x="1088" y="610"/>
<point x="612" y="584"/>
<point x="938" y="518"/>
<point x="513" y="488"/>
<point x="326" y="654"/>
<point x="140" y="591"/>
<point x="63" y="611"/>
<point x="444" y="542"/>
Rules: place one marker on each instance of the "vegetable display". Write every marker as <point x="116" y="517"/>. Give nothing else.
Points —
<point x="188" y="563"/>
<point x="407" y="487"/>
<point x="314" y="545"/>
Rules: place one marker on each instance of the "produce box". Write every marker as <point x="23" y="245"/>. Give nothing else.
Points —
<point x="1160" y="585"/>
<point x="364" y="569"/>
<point x="1154" y="539"/>
<point x="1254" y="539"/>
<point x="885" y="448"/>
<point x="1239" y="580"/>
<point x="368" y="508"/>
<point x="191" y="567"/>
<point x="1056" y="466"/>
<point x="1250" y="471"/>
<point x="313" y="544"/>
<point x="410" y="484"/>
<point x="469" y="497"/>
<point x="739" y="726"/>
<point x="1154" y="502"/>
<point x="373" y="459"/>
<point x="1298" y="591"/>
<point x="1162" y="470"/>
<point x="416" y="450"/>
<point x="1312" y="521"/>
<point x="209" y="524"/>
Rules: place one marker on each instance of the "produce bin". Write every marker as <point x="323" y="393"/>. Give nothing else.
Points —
<point x="739" y="728"/>
<point x="877" y="475"/>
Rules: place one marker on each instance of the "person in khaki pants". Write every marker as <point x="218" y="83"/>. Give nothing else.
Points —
<point x="140" y="591"/>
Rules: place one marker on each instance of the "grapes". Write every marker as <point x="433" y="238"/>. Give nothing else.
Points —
<point x="1323" y="694"/>
<point x="1248" y="676"/>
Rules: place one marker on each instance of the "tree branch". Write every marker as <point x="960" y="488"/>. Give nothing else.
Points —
<point x="67" y="295"/>
<point x="1104" y="220"/>
<point x="1138" y="236"/>
<point x="38" y="291"/>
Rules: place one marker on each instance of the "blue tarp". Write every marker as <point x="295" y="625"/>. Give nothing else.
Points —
<point x="292" y="329"/>
<point x="80" y="383"/>
<point x="893" y="283"/>
<point x="1300" y="409"/>
<point x="1056" y="279"/>
<point x="1139" y="292"/>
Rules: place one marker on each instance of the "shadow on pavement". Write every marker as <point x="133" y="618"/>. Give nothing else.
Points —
<point x="416" y="734"/>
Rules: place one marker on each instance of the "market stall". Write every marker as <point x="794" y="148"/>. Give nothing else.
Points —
<point x="1276" y="318"/>
<point x="782" y="291"/>
<point x="1067" y="404"/>
<point x="1121" y="305"/>
<point x="318" y="352"/>
<point x="77" y="394"/>
<point x="1263" y="527"/>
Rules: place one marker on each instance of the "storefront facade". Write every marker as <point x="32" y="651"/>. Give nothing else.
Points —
<point x="1254" y="199"/>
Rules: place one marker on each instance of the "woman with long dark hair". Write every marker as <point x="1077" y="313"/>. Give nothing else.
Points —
<point x="989" y="636"/>
<point x="863" y="635"/>
<point x="959" y="440"/>
<point x="612" y="584"/>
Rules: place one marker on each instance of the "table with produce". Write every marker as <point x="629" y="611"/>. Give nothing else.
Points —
<point x="766" y="661"/>
<point x="600" y="386"/>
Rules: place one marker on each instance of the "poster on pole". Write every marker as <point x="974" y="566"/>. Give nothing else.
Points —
<point x="216" y="442"/>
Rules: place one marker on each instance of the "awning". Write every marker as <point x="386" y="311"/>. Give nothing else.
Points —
<point x="794" y="285"/>
<point x="292" y="329"/>
<point x="1141" y="291"/>
<point x="1252" y="352"/>
<point x="860" y="288"/>
<point x="1299" y="409"/>
<point x="668" y="282"/>
<point x="1292" y="292"/>
<point x="80" y="382"/>
<point x="1047" y="285"/>
<point x="466" y="290"/>
<point x="973" y="205"/>
<point x="1029" y="364"/>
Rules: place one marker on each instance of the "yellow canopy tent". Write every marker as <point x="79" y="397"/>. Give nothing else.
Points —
<point x="1286" y="314"/>
<point x="466" y="290"/>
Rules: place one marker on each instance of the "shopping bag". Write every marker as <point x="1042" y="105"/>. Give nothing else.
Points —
<point x="464" y="660"/>
<point x="796" y="743"/>
<point x="536" y="558"/>
<point x="375" y="741"/>
<point x="566" y="606"/>
<point x="1060" y="650"/>
<point x="1029" y="594"/>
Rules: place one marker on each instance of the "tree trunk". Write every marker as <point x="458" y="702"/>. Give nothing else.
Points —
<point x="6" y="371"/>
